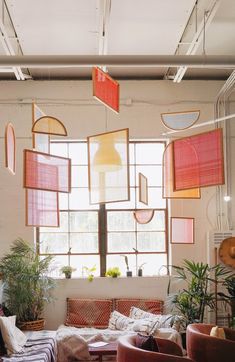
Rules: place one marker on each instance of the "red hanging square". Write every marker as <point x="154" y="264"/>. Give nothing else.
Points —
<point x="105" y="89"/>
<point x="42" y="208"/>
<point x="199" y="161"/>
<point x="43" y="171"/>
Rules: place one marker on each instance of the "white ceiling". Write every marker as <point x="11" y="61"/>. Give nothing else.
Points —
<point x="135" y="27"/>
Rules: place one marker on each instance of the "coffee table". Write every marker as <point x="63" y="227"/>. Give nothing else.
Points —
<point x="108" y="349"/>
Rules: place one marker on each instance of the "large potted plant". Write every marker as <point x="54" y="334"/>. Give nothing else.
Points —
<point x="198" y="293"/>
<point x="229" y="297"/>
<point x="26" y="284"/>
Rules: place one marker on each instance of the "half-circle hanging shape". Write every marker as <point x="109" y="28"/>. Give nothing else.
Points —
<point x="49" y="125"/>
<point x="143" y="216"/>
<point x="180" y="120"/>
<point x="10" y="148"/>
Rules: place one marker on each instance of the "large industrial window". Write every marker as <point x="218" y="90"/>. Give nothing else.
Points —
<point x="99" y="235"/>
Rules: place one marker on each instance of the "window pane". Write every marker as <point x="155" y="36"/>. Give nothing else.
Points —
<point x="154" y="264"/>
<point x="83" y="221"/>
<point x="63" y="201"/>
<point x="120" y="221"/>
<point x="54" y="243"/>
<point x="153" y="174"/>
<point x="57" y="263"/>
<point x="155" y="200"/>
<point x="131" y="153"/>
<point x="124" y="204"/>
<point x="121" y="242"/>
<point x="78" y="153"/>
<point x="117" y="260"/>
<point x="151" y="242"/>
<point x="59" y="149"/>
<point x="84" y="243"/>
<point x="63" y="225"/>
<point x="132" y="176"/>
<point x="79" y="199"/>
<point x="81" y="261"/>
<point x="79" y="176"/>
<point x="149" y="153"/>
<point x="156" y="224"/>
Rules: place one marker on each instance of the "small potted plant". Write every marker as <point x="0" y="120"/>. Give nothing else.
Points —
<point x="128" y="271"/>
<point x="140" y="270"/>
<point x="89" y="272"/>
<point x="67" y="271"/>
<point x="113" y="272"/>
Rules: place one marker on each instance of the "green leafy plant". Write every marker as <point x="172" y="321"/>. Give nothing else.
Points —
<point x="67" y="270"/>
<point x="113" y="272"/>
<point x="192" y="300"/>
<point x="229" y="298"/>
<point x="89" y="272"/>
<point x="26" y="284"/>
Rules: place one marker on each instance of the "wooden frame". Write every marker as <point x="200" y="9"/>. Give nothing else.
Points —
<point x="9" y="131"/>
<point x="127" y="166"/>
<point x="49" y="156"/>
<point x="177" y="113"/>
<point x="172" y="231"/>
<point x="35" y="117"/>
<point x="143" y="189"/>
<point x="107" y="76"/>
<point x="222" y="158"/>
<point x="26" y="210"/>
<point x="56" y="120"/>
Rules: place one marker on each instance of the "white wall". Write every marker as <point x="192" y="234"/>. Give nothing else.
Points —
<point x="141" y="105"/>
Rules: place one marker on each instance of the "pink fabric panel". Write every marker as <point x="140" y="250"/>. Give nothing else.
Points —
<point x="182" y="230"/>
<point x="46" y="172"/>
<point x="198" y="160"/>
<point x="106" y="89"/>
<point x="42" y="208"/>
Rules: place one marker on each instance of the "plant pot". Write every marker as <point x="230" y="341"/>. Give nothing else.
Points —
<point x="37" y="325"/>
<point x="68" y="275"/>
<point x="129" y="273"/>
<point x="140" y="272"/>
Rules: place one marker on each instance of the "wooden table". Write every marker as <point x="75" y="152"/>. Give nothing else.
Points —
<point x="108" y="349"/>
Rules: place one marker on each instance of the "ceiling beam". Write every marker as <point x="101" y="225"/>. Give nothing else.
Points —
<point x="69" y="61"/>
<point x="198" y="37"/>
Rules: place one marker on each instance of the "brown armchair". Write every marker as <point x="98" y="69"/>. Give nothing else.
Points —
<point x="169" y="351"/>
<point x="201" y="347"/>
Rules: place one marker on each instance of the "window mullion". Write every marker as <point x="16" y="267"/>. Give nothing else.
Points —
<point x="102" y="238"/>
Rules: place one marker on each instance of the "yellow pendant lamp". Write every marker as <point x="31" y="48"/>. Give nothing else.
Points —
<point x="107" y="158"/>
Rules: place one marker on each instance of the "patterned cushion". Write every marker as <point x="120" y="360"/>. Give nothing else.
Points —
<point x="88" y="312"/>
<point x="124" y="305"/>
<point x="164" y="320"/>
<point x="119" y="321"/>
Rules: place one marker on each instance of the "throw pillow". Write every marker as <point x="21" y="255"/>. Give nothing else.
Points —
<point x="148" y="343"/>
<point x="121" y="322"/>
<point x="14" y="339"/>
<point x="217" y="332"/>
<point x="164" y="320"/>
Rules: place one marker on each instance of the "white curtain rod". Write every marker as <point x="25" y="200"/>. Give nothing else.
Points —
<point x="202" y="124"/>
<point x="55" y="61"/>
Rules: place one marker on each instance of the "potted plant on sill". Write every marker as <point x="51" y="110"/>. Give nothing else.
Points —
<point x="26" y="284"/>
<point x="67" y="271"/>
<point x="128" y="271"/>
<point x="113" y="272"/>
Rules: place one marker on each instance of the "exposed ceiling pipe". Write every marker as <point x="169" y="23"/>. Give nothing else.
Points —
<point x="61" y="61"/>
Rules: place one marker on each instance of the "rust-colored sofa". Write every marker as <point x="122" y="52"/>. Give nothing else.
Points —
<point x="201" y="347"/>
<point x="128" y="352"/>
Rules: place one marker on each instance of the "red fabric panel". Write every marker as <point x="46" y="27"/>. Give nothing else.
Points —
<point x="42" y="208"/>
<point x="182" y="230"/>
<point x="88" y="312"/>
<point x="43" y="171"/>
<point x="198" y="160"/>
<point x="105" y="89"/>
<point x="123" y="306"/>
<point x="10" y="145"/>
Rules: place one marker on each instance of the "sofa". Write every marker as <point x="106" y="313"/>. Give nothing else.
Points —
<point x="202" y="347"/>
<point x="168" y="351"/>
